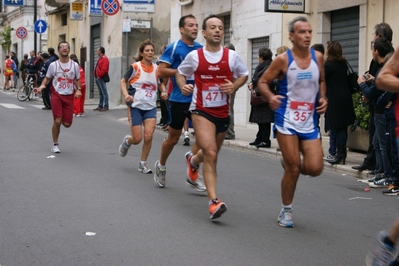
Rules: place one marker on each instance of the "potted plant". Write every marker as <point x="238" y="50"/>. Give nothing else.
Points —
<point x="358" y="136"/>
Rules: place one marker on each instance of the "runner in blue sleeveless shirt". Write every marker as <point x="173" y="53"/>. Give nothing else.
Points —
<point x="300" y="101"/>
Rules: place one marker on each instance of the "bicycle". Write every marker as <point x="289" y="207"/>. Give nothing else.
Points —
<point x="26" y="91"/>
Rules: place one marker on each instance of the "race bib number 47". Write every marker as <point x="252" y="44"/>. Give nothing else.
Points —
<point x="212" y="96"/>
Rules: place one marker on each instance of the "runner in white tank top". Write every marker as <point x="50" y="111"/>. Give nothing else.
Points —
<point x="300" y="100"/>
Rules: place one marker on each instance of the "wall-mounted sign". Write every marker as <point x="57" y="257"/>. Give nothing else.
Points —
<point x="95" y="8"/>
<point x="76" y="11"/>
<point x="13" y="2"/>
<point x="139" y="6"/>
<point x="126" y="25"/>
<point x="285" y="6"/>
<point x="140" y="24"/>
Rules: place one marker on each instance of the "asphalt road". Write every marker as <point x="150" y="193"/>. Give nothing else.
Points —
<point x="47" y="205"/>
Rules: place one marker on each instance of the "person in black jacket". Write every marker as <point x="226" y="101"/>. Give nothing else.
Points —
<point x="383" y="171"/>
<point x="340" y="112"/>
<point x="41" y="75"/>
<point x="369" y="162"/>
<point x="261" y="114"/>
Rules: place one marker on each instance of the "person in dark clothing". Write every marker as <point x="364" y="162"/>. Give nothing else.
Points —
<point x="41" y="75"/>
<point x="383" y="171"/>
<point x="340" y="112"/>
<point x="53" y="57"/>
<point x="33" y="64"/>
<point x="261" y="114"/>
<point x="380" y="30"/>
<point x="163" y="103"/>
<point x="16" y="74"/>
<point x="22" y="68"/>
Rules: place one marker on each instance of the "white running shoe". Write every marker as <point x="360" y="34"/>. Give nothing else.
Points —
<point x="123" y="148"/>
<point x="159" y="176"/>
<point x="55" y="149"/>
<point x="143" y="167"/>
<point x="186" y="141"/>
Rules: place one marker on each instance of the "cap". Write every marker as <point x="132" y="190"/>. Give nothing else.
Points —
<point x="45" y="55"/>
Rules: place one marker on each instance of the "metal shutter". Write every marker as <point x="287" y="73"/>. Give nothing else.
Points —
<point x="345" y="30"/>
<point x="95" y="44"/>
<point x="256" y="44"/>
<point x="227" y="26"/>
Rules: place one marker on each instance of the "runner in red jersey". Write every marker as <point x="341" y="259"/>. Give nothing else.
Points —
<point x="218" y="73"/>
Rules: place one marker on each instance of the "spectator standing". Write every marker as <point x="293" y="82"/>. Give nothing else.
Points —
<point x="340" y="112"/>
<point x="33" y="65"/>
<point x="8" y="73"/>
<point x="142" y="79"/>
<point x="231" y="134"/>
<point x="100" y="71"/>
<point x="53" y="56"/>
<point x="302" y="94"/>
<point x="261" y="113"/>
<point x="179" y="103"/>
<point x="65" y="81"/>
<point x="79" y="102"/>
<point x="218" y="73"/>
<point x="41" y="75"/>
<point x="22" y="68"/>
<point x="16" y="73"/>
<point x="383" y="171"/>
<point x="369" y="162"/>
<point x="163" y="103"/>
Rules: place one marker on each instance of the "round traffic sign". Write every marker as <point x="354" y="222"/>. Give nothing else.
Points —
<point x="21" y="32"/>
<point x="110" y="7"/>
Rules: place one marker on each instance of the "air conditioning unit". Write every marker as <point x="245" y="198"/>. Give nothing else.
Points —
<point x="185" y="2"/>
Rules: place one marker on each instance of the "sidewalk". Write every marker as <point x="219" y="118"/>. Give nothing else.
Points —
<point x="246" y="135"/>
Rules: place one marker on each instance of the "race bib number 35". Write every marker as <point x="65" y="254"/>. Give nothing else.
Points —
<point x="212" y="96"/>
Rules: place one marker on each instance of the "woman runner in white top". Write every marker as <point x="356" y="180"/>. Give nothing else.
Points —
<point x="141" y="98"/>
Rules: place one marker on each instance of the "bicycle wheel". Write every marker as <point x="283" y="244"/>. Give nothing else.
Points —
<point x="23" y="92"/>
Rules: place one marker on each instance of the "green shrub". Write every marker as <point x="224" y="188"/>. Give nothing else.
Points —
<point x="361" y="111"/>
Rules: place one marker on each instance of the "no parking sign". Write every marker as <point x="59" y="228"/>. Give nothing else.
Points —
<point x="110" y="7"/>
<point x="21" y="32"/>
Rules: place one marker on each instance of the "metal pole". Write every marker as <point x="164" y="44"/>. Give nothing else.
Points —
<point x="34" y="21"/>
<point x="127" y="50"/>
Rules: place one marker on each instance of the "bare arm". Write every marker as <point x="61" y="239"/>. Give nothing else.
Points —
<point x="164" y="71"/>
<point x="163" y="90"/>
<point x="43" y="85"/>
<point x="186" y="89"/>
<point x="387" y="79"/>
<point x="128" y="98"/>
<point x="323" y="102"/>
<point x="230" y="87"/>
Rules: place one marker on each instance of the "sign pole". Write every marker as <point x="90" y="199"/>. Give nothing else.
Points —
<point x="127" y="51"/>
<point x="34" y="33"/>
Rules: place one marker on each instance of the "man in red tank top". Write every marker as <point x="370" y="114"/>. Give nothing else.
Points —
<point x="218" y="73"/>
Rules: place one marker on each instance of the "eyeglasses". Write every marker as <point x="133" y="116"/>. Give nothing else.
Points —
<point x="329" y="43"/>
<point x="64" y="46"/>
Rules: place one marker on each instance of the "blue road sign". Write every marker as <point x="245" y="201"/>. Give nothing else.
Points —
<point x="13" y="2"/>
<point x="95" y="8"/>
<point x="139" y="2"/>
<point x="40" y="26"/>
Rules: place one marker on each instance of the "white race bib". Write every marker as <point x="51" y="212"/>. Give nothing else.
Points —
<point x="212" y="96"/>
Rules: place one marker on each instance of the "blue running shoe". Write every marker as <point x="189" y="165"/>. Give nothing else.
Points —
<point x="284" y="219"/>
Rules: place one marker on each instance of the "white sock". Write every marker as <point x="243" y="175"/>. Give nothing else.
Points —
<point x="287" y="206"/>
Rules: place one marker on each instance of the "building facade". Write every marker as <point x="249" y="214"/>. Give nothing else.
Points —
<point x="247" y="27"/>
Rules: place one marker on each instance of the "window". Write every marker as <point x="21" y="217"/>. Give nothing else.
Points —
<point x="64" y="19"/>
